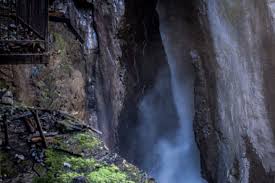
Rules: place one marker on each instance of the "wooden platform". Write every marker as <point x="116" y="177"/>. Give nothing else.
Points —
<point x="24" y="32"/>
<point x="24" y="58"/>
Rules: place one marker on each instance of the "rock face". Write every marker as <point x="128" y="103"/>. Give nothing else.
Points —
<point x="102" y="79"/>
<point x="238" y="77"/>
<point x="231" y="46"/>
<point x="60" y="85"/>
<point x="130" y="56"/>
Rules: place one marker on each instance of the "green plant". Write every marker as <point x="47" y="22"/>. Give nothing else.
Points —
<point x="108" y="174"/>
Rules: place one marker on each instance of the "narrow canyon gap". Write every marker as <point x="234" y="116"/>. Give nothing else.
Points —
<point x="165" y="136"/>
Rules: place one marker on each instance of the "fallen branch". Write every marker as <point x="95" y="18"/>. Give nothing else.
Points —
<point x="48" y="136"/>
<point x="39" y="139"/>
<point x="25" y="115"/>
<point x="35" y="114"/>
<point x="29" y="125"/>
<point x="33" y="169"/>
<point x="94" y="130"/>
<point x="67" y="152"/>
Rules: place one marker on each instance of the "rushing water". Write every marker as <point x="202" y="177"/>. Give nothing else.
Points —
<point x="170" y="153"/>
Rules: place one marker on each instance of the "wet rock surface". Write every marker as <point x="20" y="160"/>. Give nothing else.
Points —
<point x="230" y="117"/>
<point x="104" y="80"/>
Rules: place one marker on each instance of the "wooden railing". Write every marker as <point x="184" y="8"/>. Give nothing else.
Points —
<point x="23" y="31"/>
<point x="34" y="13"/>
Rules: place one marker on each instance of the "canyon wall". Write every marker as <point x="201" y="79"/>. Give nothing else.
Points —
<point x="230" y="44"/>
<point x="240" y="70"/>
<point x="130" y="55"/>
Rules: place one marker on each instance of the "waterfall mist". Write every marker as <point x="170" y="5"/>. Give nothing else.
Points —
<point x="166" y="136"/>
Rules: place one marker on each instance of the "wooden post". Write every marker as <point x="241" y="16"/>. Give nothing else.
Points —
<point x="6" y="143"/>
<point x="37" y="120"/>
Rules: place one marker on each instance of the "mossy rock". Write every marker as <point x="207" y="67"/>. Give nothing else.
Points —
<point x="78" y="143"/>
<point x="60" y="43"/>
<point x="108" y="174"/>
<point x="64" y="168"/>
<point x="74" y="155"/>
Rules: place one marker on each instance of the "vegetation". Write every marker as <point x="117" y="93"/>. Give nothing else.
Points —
<point x="60" y="43"/>
<point x="85" y="140"/>
<point x="108" y="174"/>
<point x="73" y="154"/>
<point x="64" y="168"/>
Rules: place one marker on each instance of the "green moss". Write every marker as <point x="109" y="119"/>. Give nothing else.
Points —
<point x="81" y="164"/>
<point x="108" y="174"/>
<point x="94" y="171"/>
<point x="86" y="140"/>
<point x="60" y="174"/>
<point x="132" y="171"/>
<point x="60" y="43"/>
<point x="79" y="143"/>
<point x="90" y="168"/>
<point x="55" y="160"/>
<point x="68" y="177"/>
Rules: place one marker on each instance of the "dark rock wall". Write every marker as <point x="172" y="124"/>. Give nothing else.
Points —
<point x="104" y="79"/>
<point x="241" y="36"/>
<point x="130" y="57"/>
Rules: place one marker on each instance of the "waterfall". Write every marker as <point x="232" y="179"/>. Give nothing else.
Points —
<point x="166" y="114"/>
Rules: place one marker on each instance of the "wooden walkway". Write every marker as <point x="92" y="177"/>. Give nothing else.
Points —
<point x="23" y="31"/>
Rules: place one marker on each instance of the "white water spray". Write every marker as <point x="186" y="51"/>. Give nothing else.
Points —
<point x="172" y="156"/>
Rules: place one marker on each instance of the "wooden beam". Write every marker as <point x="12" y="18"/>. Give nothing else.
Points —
<point x="60" y="17"/>
<point x="37" y="120"/>
<point x="24" y="58"/>
<point x="22" y="41"/>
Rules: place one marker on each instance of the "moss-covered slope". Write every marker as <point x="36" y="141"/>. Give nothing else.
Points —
<point x="74" y="153"/>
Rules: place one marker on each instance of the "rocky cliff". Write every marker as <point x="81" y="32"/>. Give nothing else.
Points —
<point x="242" y="37"/>
<point x="102" y="79"/>
<point x="60" y="85"/>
